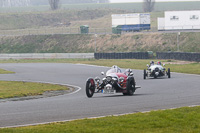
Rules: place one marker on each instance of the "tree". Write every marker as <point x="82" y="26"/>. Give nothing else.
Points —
<point x="148" y="5"/>
<point x="54" y="4"/>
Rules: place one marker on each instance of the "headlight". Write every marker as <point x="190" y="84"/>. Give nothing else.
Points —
<point x="157" y="69"/>
<point x="114" y="79"/>
<point x="97" y="79"/>
<point x="108" y="78"/>
<point x="121" y="79"/>
<point x="104" y="80"/>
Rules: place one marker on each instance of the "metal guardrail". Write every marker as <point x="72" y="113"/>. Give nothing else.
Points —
<point x="47" y="56"/>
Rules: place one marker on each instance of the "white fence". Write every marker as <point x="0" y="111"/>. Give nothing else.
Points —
<point x="47" y="56"/>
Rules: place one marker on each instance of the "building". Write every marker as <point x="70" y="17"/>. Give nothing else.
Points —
<point x="132" y="22"/>
<point x="180" y="20"/>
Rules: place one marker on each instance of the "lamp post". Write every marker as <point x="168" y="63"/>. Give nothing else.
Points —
<point x="95" y="46"/>
<point x="178" y="34"/>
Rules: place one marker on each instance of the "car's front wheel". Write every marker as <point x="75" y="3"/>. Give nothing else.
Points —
<point x="145" y="74"/>
<point x="90" y="87"/>
<point x="130" y="86"/>
<point x="168" y="73"/>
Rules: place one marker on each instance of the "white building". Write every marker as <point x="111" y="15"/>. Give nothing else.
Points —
<point x="179" y="20"/>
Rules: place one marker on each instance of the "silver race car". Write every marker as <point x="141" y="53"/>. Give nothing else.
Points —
<point x="156" y="70"/>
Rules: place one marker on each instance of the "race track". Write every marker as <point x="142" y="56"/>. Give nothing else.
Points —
<point x="181" y="90"/>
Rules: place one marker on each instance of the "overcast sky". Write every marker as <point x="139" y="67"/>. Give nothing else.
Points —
<point x="118" y="1"/>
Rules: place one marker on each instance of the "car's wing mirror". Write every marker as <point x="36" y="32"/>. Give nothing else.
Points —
<point x="102" y="73"/>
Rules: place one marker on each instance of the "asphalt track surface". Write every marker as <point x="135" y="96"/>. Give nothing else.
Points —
<point x="181" y="90"/>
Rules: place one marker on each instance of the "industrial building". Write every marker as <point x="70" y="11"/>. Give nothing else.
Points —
<point x="180" y="20"/>
<point x="131" y="22"/>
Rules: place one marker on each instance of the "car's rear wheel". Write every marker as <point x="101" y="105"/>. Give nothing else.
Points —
<point x="145" y="74"/>
<point x="90" y="87"/>
<point x="168" y="73"/>
<point x="130" y="86"/>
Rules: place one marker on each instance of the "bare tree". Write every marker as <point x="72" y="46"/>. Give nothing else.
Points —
<point x="148" y="5"/>
<point x="54" y="4"/>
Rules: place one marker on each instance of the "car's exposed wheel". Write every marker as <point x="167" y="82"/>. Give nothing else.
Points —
<point x="168" y="73"/>
<point x="145" y="74"/>
<point x="90" y="87"/>
<point x="130" y="86"/>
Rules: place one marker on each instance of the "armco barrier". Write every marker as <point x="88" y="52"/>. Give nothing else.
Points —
<point x="130" y="55"/>
<point x="179" y="56"/>
<point x="46" y="55"/>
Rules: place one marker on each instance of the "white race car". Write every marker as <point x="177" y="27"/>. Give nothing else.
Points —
<point x="156" y="70"/>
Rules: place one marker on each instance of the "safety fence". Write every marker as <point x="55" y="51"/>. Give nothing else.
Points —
<point x="130" y="55"/>
<point x="54" y="31"/>
<point x="179" y="56"/>
<point x="71" y="30"/>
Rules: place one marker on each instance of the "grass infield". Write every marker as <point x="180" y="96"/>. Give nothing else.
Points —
<point x="2" y="71"/>
<point x="11" y="89"/>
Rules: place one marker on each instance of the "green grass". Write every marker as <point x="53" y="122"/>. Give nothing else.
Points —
<point x="181" y="120"/>
<point x="2" y="71"/>
<point x="82" y="43"/>
<point x="10" y="89"/>
<point x="192" y="68"/>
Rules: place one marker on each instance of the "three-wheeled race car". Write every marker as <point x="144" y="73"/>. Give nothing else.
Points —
<point x="156" y="70"/>
<point x="115" y="81"/>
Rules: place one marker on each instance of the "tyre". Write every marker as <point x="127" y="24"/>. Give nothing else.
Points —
<point x="145" y="74"/>
<point x="168" y="73"/>
<point x="90" y="87"/>
<point x="130" y="86"/>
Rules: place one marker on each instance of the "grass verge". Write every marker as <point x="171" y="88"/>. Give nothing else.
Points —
<point x="10" y="89"/>
<point x="181" y="120"/>
<point x="191" y="68"/>
<point x="2" y="71"/>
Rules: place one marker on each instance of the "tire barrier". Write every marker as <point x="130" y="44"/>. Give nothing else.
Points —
<point x="130" y="55"/>
<point x="179" y="56"/>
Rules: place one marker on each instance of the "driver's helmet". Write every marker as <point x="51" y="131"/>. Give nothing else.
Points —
<point x="116" y="68"/>
<point x="151" y="62"/>
<point x="128" y="71"/>
<point x="158" y="63"/>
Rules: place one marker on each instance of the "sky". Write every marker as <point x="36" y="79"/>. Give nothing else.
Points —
<point x="119" y="1"/>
